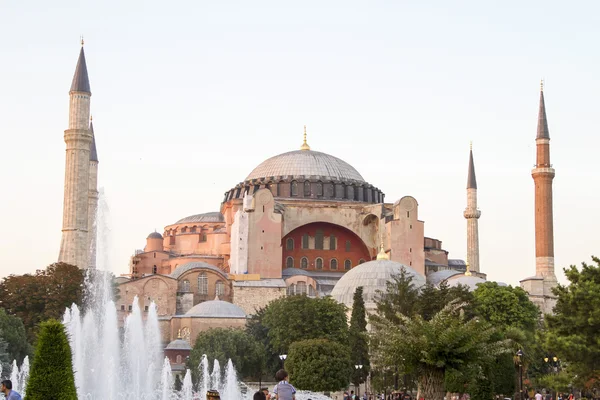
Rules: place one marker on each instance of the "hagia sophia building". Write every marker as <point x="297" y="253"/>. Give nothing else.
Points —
<point x="301" y="222"/>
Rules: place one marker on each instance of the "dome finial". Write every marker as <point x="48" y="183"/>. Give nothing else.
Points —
<point x="382" y="255"/>
<point x="179" y="334"/>
<point x="468" y="271"/>
<point x="82" y="42"/>
<point x="305" y="145"/>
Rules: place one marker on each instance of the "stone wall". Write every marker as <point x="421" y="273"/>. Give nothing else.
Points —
<point x="252" y="299"/>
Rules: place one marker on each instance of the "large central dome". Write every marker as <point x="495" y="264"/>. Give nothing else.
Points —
<point x="306" y="163"/>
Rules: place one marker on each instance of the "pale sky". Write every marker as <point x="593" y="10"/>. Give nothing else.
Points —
<point x="189" y="96"/>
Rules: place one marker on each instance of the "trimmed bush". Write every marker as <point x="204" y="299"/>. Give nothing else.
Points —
<point x="51" y="376"/>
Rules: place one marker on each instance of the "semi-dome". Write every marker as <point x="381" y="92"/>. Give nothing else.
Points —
<point x="306" y="163"/>
<point x="179" y="344"/>
<point x="216" y="309"/>
<point x="470" y="281"/>
<point x="205" y="217"/>
<point x="372" y="276"/>
<point x="183" y="268"/>
<point x="154" y="235"/>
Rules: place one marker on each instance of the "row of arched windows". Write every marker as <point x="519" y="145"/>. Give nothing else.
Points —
<point x="319" y="242"/>
<point x="184" y="286"/>
<point x="301" y="288"/>
<point x="318" y="263"/>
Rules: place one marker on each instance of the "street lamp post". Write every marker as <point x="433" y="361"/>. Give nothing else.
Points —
<point x="357" y="367"/>
<point x="282" y="357"/>
<point x="520" y="357"/>
<point x="554" y="363"/>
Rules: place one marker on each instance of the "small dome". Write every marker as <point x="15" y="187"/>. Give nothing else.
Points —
<point x="206" y="217"/>
<point x="155" y="235"/>
<point x="178" y="344"/>
<point x="372" y="276"/>
<point x="216" y="309"/>
<point x="469" y="281"/>
<point x="183" y="268"/>
<point x="435" y="278"/>
<point x="306" y="163"/>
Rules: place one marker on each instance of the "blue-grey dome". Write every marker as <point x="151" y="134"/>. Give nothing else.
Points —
<point x="179" y="344"/>
<point x="435" y="278"/>
<point x="216" y="309"/>
<point x="205" y="217"/>
<point x="372" y="276"/>
<point x="183" y="268"/>
<point x="469" y="281"/>
<point x="154" y="235"/>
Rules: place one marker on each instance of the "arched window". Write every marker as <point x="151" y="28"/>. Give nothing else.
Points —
<point x="355" y="190"/>
<point x="333" y="264"/>
<point x="305" y="241"/>
<point x="361" y="261"/>
<point x="291" y="290"/>
<point x="301" y="288"/>
<point x="319" y="263"/>
<point x="347" y="265"/>
<point x="319" y="239"/>
<point x="311" y="291"/>
<point x="348" y="245"/>
<point x="184" y="229"/>
<point x="306" y="189"/>
<point x="220" y="288"/>
<point x="289" y="244"/>
<point x="304" y="263"/>
<point x="178" y="359"/>
<point x="332" y="242"/>
<point x="154" y="270"/>
<point x="193" y="230"/>
<point x="184" y="286"/>
<point x="289" y="262"/>
<point x="202" y="283"/>
<point x="319" y="189"/>
<point x="294" y="188"/>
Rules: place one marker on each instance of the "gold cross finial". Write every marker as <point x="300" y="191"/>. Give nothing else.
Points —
<point x="468" y="271"/>
<point x="382" y="255"/>
<point x="91" y="118"/>
<point x="179" y="334"/>
<point x="81" y="37"/>
<point x="305" y="145"/>
<point x="542" y="85"/>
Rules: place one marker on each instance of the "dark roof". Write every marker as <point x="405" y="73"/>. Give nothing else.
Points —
<point x="154" y="235"/>
<point x="542" y="128"/>
<point x="81" y="82"/>
<point x="93" y="151"/>
<point x="471" y="181"/>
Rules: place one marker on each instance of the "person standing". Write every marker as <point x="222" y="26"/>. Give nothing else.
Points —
<point x="10" y="394"/>
<point x="538" y="395"/>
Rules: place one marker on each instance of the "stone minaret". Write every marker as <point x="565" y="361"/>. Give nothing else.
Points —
<point x="93" y="199"/>
<point x="78" y="138"/>
<point x="472" y="215"/>
<point x="540" y="286"/>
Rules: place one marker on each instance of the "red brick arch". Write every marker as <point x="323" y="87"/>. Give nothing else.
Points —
<point x="357" y="249"/>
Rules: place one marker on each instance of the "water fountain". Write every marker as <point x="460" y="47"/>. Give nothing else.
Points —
<point x="113" y="366"/>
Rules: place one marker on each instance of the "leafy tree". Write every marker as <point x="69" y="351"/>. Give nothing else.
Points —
<point x="13" y="332"/>
<point x="5" y="363"/>
<point x="294" y="318"/>
<point x="400" y="297"/>
<point x="223" y="344"/>
<point x="573" y="329"/>
<point x="506" y="306"/>
<point x="51" y="376"/>
<point x="44" y="295"/>
<point x="319" y="365"/>
<point x="432" y="299"/>
<point x="358" y="339"/>
<point x="448" y="341"/>
<point x="257" y="329"/>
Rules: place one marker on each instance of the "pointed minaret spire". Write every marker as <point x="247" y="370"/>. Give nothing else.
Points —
<point x="93" y="151"/>
<point x="471" y="180"/>
<point x="542" y="128"/>
<point x="81" y="82"/>
<point x="472" y="215"/>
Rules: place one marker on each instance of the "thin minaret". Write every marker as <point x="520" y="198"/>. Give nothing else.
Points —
<point x="78" y="138"/>
<point x="543" y="174"/>
<point x="93" y="198"/>
<point x="472" y="215"/>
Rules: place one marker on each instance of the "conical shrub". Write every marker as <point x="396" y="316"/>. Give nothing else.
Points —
<point x="51" y="376"/>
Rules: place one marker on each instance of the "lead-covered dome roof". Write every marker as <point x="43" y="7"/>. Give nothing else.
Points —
<point x="205" y="217"/>
<point x="216" y="309"/>
<point x="306" y="163"/>
<point x="372" y="276"/>
<point x="179" y="344"/>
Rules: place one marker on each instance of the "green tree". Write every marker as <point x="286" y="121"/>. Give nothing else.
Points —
<point x="448" y="341"/>
<point x="223" y="344"/>
<point x="44" y="295"/>
<point x="5" y="363"/>
<point x="358" y="339"/>
<point x="399" y="297"/>
<point x="51" y="376"/>
<point x="294" y="318"/>
<point x="506" y="307"/>
<point x="13" y="332"/>
<point x="573" y="328"/>
<point x="319" y="365"/>
<point x="257" y="329"/>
